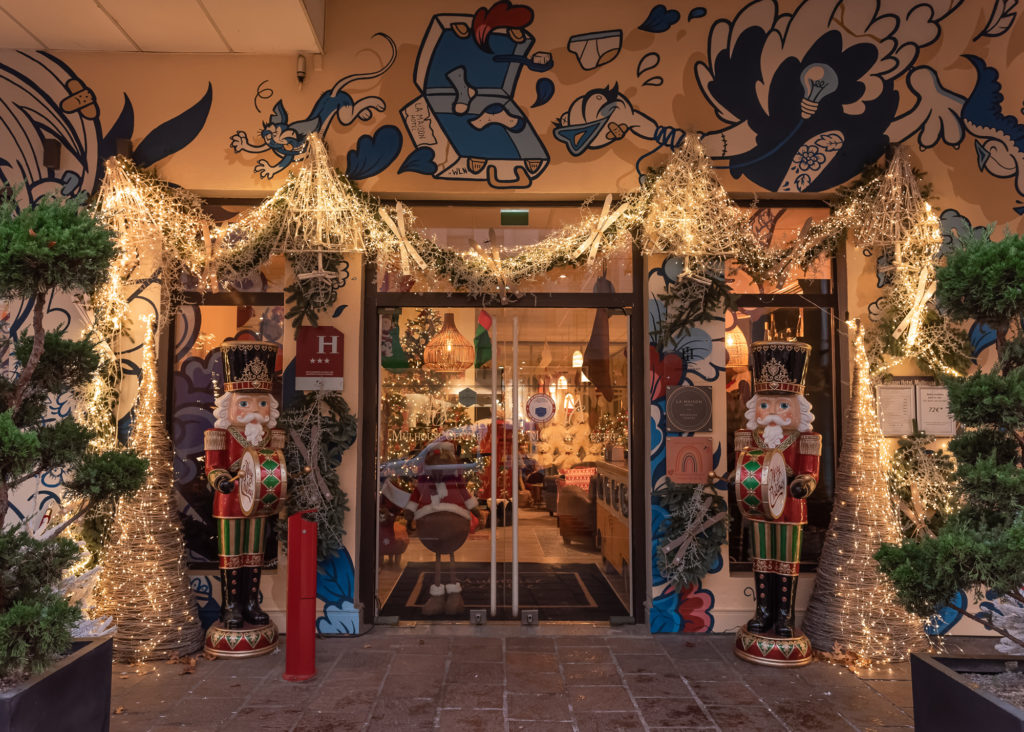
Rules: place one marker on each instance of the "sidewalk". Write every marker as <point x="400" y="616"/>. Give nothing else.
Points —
<point x="507" y="677"/>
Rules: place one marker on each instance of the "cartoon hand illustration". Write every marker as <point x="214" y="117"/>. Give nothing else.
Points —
<point x="266" y="169"/>
<point x="240" y="143"/>
<point x="935" y="116"/>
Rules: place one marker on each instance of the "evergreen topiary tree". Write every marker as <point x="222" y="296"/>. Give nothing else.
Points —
<point x="982" y="543"/>
<point x="53" y="246"/>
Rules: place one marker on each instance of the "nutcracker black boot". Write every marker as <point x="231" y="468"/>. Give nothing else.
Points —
<point x="764" y="592"/>
<point x="784" y="617"/>
<point x="251" y="611"/>
<point x="230" y="592"/>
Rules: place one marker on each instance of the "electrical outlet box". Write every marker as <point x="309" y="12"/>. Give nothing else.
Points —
<point x="530" y="617"/>
<point x="478" y="617"/>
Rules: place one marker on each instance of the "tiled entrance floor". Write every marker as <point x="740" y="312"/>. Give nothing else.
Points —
<point x="507" y="677"/>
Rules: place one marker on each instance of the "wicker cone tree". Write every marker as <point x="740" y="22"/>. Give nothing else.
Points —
<point x="143" y="584"/>
<point x="853" y="610"/>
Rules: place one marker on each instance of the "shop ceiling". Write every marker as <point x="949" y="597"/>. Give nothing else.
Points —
<point x="183" y="26"/>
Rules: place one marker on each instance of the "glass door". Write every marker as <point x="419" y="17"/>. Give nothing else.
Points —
<point x="503" y="463"/>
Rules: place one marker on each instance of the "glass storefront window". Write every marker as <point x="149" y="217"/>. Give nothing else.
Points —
<point x="556" y="380"/>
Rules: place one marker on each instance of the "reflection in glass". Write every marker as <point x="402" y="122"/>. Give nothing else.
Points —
<point x="572" y="430"/>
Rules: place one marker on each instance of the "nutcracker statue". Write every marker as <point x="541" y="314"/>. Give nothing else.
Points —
<point x="776" y="469"/>
<point x="246" y="469"/>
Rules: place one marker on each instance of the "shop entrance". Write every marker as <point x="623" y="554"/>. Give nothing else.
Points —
<point x="503" y="463"/>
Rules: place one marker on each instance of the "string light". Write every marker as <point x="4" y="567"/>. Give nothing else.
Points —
<point x="689" y="214"/>
<point x="143" y="584"/>
<point x="853" y="610"/>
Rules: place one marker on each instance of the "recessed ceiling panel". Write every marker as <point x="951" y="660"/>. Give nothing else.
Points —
<point x="179" y="26"/>
<point x="264" y="26"/>
<point x="68" y="25"/>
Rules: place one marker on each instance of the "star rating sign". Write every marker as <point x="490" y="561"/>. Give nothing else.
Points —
<point x="319" y="357"/>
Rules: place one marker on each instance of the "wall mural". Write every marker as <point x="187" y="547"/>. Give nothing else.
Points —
<point x="466" y="124"/>
<point x="691" y="359"/>
<point x="45" y="100"/>
<point x="284" y="141"/>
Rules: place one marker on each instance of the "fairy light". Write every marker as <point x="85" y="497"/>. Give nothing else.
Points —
<point x="690" y="215"/>
<point x="853" y="612"/>
<point x="143" y="584"/>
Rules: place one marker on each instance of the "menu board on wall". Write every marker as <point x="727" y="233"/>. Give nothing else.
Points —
<point x="896" y="404"/>
<point x="933" y="415"/>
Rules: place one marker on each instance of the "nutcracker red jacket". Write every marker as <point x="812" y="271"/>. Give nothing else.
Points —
<point x="802" y="453"/>
<point x="224" y="449"/>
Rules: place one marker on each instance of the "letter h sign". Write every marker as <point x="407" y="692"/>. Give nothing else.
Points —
<point x="319" y="359"/>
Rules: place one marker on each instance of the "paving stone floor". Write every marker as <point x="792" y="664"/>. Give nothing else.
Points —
<point x="506" y="677"/>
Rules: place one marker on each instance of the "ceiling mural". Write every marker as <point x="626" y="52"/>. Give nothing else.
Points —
<point x="472" y="100"/>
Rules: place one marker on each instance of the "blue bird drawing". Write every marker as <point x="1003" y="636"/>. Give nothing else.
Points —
<point x="1000" y="137"/>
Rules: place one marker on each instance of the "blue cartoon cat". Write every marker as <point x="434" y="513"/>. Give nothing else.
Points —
<point x="287" y="140"/>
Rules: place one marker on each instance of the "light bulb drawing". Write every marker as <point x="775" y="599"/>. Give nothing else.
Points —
<point x="818" y="80"/>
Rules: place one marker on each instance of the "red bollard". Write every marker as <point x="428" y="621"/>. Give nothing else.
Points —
<point x="300" y="643"/>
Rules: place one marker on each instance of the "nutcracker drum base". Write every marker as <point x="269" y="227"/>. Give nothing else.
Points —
<point x="245" y="642"/>
<point x="770" y="650"/>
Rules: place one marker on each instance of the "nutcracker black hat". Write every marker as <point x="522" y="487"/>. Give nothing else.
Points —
<point x="780" y="367"/>
<point x="249" y="365"/>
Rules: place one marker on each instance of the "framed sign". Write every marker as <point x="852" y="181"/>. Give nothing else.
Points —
<point x="319" y="359"/>
<point x="688" y="459"/>
<point x="896" y="409"/>
<point x="933" y="415"/>
<point x="688" y="408"/>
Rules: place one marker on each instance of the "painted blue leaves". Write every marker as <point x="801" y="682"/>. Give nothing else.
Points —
<point x="373" y="154"/>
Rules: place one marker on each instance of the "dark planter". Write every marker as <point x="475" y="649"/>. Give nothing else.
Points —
<point x="944" y="701"/>
<point x="72" y="695"/>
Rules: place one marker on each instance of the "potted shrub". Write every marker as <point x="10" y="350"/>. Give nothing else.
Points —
<point x="53" y="246"/>
<point x="981" y="545"/>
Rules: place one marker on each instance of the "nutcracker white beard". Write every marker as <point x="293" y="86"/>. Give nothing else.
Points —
<point x="772" y="434"/>
<point x="253" y="427"/>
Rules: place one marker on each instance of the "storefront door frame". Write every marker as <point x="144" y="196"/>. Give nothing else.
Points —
<point x="632" y="303"/>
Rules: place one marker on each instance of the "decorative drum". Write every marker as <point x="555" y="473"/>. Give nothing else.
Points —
<point x="262" y="482"/>
<point x="762" y="483"/>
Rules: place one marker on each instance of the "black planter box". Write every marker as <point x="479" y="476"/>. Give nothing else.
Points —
<point x="943" y="701"/>
<point x="72" y="695"/>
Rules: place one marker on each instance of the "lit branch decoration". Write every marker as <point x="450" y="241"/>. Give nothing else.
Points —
<point x="690" y="215"/>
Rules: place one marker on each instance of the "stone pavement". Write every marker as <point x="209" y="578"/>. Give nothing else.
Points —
<point x="508" y="677"/>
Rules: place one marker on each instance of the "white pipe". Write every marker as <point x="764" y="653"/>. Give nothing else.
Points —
<point x="515" y="465"/>
<point x="494" y="470"/>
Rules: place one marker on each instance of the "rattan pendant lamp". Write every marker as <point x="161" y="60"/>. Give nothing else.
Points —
<point x="448" y="352"/>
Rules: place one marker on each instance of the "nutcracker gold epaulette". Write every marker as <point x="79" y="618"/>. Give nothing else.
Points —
<point x="277" y="439"/>
<point x="742" y="439"/>
<point x="810" y="444"/>
<point x="214" y="440"/>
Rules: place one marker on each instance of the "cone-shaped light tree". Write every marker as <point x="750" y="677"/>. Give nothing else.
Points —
<point x="853" y="609"/>
<point x="143" y="584"/>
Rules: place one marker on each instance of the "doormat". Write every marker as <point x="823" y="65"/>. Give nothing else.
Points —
<point x="558" y="591"/>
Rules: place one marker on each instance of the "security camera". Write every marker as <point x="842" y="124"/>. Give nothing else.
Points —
<point x="300" y="69"/>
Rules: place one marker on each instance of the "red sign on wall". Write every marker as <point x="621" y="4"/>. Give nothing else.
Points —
<point x="319" y="359"/>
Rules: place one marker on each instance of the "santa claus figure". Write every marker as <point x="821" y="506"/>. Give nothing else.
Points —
<point x="776" y="469"/>
<point x="245" y="467"/>
<point x="442" y="507"/>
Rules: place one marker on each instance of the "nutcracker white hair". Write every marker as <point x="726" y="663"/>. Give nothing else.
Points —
<point x="806" y="415"/>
